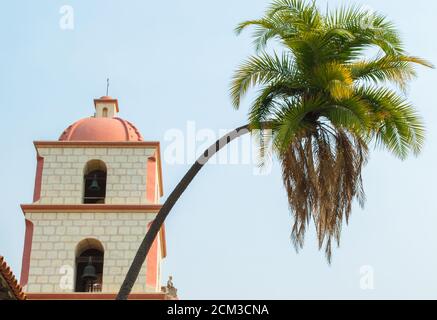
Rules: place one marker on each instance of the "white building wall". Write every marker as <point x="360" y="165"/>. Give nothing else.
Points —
<point x="63" y="171"/>
<point x="56" y="236"/>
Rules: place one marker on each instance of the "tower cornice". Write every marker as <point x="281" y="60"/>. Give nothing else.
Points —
<point x="96" y="208"/>
<point x="97" y="144"/>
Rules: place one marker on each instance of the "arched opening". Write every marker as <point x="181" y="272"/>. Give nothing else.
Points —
<point x="94" y="182"/>
<point x="105" y="112"/>
<point x="89" y="266"/>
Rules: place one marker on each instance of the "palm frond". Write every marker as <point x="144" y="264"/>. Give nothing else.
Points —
<point x="398" y="70"/>
<point x="334" y="78"/>
<point x="398" y="127"/>
<point x="259" y="70"/>
<point x="292" y="118"/>
<point x="269" y="100"/>
<point x="352" y="114"/>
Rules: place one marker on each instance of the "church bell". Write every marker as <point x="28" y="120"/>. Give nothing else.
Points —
<point x="94" y="184"/>
<point x="89" y="272"/>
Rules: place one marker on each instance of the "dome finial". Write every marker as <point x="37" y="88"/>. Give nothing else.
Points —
<point x="107" y="87"/>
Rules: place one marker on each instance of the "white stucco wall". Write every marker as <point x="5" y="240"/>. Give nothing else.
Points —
<point x="56" y="236"/>
<point x="63" y="171"/>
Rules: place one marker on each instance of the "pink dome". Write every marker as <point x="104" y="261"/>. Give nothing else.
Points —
<point x="101" y="129"/>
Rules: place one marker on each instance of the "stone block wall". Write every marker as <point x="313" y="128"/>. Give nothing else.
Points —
<point x="55" y="239"/>
<point x="63" y="174"/>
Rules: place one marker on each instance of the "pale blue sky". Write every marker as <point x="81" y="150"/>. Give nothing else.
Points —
<point x="171" y="62"/>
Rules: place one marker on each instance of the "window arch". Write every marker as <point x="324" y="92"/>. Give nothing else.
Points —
<point x="89" y="266"/>
<point x="94" y="182"/>
<point x="105" y="112"/>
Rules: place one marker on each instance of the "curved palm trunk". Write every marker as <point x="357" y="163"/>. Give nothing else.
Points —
<point x="157" y="223"/>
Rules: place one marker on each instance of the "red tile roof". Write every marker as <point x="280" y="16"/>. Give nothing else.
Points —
<point x="11" y="281"/>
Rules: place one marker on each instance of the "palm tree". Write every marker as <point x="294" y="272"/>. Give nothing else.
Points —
<point x="326" y="101"/>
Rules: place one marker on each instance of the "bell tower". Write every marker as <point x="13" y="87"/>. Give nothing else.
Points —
<point x="97" y="190"/>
